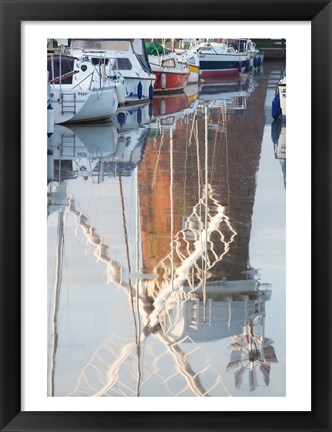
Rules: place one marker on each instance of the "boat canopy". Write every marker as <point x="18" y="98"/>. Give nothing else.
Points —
<point x="135" y="46"/>
<point x="153" y="48"/>
<point x="60" y="65"/>
<point x="243" y="45"/>
<point x="141" y="53"/>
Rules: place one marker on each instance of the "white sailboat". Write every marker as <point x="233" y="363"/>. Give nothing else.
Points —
<point x="79" y="90"/>
<point x="130" y="62"/>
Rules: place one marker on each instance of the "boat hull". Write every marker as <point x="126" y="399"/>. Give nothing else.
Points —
<point x="194" y="74"/>
<point x="79" y="106"/>
<point x="190" y="60"/>
<point x="219" y="66"/>
<point x="282" y="95"/>
<point x="170" y="81"/>
<point x="219" y="69"/>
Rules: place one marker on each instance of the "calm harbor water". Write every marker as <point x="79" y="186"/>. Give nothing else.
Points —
<point x="166" y="247"/>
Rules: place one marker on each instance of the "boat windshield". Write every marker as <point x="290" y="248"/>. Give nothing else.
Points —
<point x="212" y="48"/>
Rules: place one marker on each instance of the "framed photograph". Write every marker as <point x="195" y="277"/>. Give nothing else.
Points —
<point x="161" y="268"/>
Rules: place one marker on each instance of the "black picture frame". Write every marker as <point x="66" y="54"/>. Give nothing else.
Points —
<point x="13" y="12"/>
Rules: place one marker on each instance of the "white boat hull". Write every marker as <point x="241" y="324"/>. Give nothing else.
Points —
<point x="76" y="106"/>
<point x="282" y="96"/>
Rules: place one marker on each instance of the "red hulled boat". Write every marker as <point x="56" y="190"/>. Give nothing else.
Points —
<point x="171" y="75"/>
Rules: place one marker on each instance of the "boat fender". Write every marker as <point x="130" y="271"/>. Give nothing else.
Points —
<point x="139" y="116"/>
<point x="248" y="65"/>
<point x="255" y="62"/>
<point x="150" y="110"/>
<point x="121" y="118"/>
<point x="276" y="109"/>
<point x="151" y="91"/>
<point x="239" y="67"/>
<point x="121" y="90"/>
<point x="50" y="120"/>
<point x="276" y="130"/>
<point x="259" y="61"/>
<point x="50" y="167"/>
<point x="139" y="90"/>
<point x="163" y="80"/>
<point x="163" y="107"/>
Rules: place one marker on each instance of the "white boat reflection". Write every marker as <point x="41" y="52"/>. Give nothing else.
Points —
<point x="94" y="151"/>
<point x="133" y="117"/>
<point x="278" y="135"/>
<point x="232" y="92"/>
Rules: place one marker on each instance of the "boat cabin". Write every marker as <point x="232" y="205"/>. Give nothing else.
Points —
<point x="122" y="50"/>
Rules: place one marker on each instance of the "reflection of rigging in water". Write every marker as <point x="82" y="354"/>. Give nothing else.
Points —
<point x="57" y="202"/>
<point x="128" y="351"/>
<point x="56" y="300"/>
<point x="183" y="299"/>
<point x="71" y="150"/>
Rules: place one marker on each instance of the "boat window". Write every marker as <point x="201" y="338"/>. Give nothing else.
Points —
<point x="192" y="60"/>
<point x="206" y="48"/>
<point x="123" y="63"/>
<point x="168" y="63"/>
<point x="99" y="60"/>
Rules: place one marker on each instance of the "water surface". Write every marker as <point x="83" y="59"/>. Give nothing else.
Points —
<point x="166" y="247"/>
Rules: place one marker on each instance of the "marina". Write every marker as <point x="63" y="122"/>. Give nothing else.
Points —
<point x="166" y="220"/>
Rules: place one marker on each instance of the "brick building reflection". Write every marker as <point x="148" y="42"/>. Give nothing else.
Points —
<point x="234" y="147"/>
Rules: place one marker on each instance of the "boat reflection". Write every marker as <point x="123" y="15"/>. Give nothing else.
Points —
<point x="278" y="135"/>
<point x="94" y="151"/>
<point x="232" y="92"/>
<point x="133" y="117"/>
